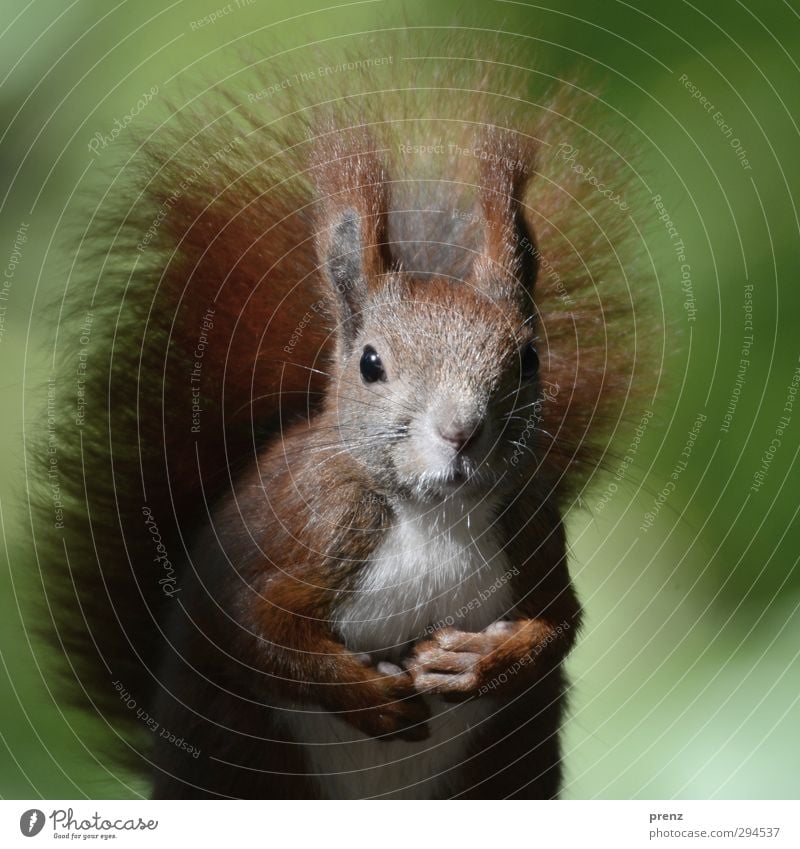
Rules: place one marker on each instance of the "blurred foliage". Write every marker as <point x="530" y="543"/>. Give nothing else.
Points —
<point x="686" y="679"/>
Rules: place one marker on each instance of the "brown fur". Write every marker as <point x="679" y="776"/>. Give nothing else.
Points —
<point x="257" y="583"/>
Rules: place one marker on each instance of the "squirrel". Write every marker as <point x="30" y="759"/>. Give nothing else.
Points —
<point x="348" y="369"/>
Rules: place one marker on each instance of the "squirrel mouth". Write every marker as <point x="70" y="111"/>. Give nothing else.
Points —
<point x="461" y="475"/>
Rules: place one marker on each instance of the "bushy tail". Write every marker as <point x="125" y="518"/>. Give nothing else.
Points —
<point x="196" y="334"/>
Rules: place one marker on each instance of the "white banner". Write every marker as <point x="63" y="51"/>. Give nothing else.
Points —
<point x="387" y="825"/>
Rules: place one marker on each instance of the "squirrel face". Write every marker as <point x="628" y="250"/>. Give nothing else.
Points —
<point x="436" y="380"/>
<point x="435" y="387"/>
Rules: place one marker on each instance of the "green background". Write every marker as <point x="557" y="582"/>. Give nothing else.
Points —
<point x="686" y="678"/>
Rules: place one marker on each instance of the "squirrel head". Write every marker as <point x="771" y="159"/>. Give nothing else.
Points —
<point x="435" y="387"/>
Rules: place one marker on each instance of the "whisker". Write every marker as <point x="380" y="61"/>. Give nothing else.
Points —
<point x="380" y="437"/>
<point x="519" y="389"/>
<point x="400" y="405"/>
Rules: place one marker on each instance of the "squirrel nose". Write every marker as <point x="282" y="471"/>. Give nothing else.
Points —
<point x="460" y="436"/>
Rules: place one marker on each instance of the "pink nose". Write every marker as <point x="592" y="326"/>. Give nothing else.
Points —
<point x="459" y="436"/>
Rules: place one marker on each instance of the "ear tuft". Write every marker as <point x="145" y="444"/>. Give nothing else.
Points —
<point x="508" y="263"/>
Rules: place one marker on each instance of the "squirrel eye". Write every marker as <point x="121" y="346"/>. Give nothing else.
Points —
<point x="371" y="366"/>
<point x="530" y="362"/>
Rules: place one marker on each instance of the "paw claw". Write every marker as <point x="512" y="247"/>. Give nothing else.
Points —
<point x="501" y="628"/>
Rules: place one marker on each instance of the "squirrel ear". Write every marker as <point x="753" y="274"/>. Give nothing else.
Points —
<point x="351" y="182"/>
<point x="508" y="263"/>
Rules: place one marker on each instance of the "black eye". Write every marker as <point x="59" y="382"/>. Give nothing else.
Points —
<point x="530" y="362"/>
<point x="371" y="366"/>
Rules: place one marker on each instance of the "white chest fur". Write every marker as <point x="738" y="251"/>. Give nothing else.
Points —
<point x="438" y="565"/>
<point x="435" y="567"/>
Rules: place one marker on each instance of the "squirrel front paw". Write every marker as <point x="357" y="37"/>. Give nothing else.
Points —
<point x="462" y="663"/>
<point x="388" y="706"/>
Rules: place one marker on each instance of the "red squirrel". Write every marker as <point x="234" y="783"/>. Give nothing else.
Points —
<point x="346" y="376"/>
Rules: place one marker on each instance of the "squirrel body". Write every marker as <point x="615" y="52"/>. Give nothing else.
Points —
<point x="368" y="385"/>
<point x="382" y="545"/>
<point x="426" y="571"/>
<point x="437" y="565"/>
